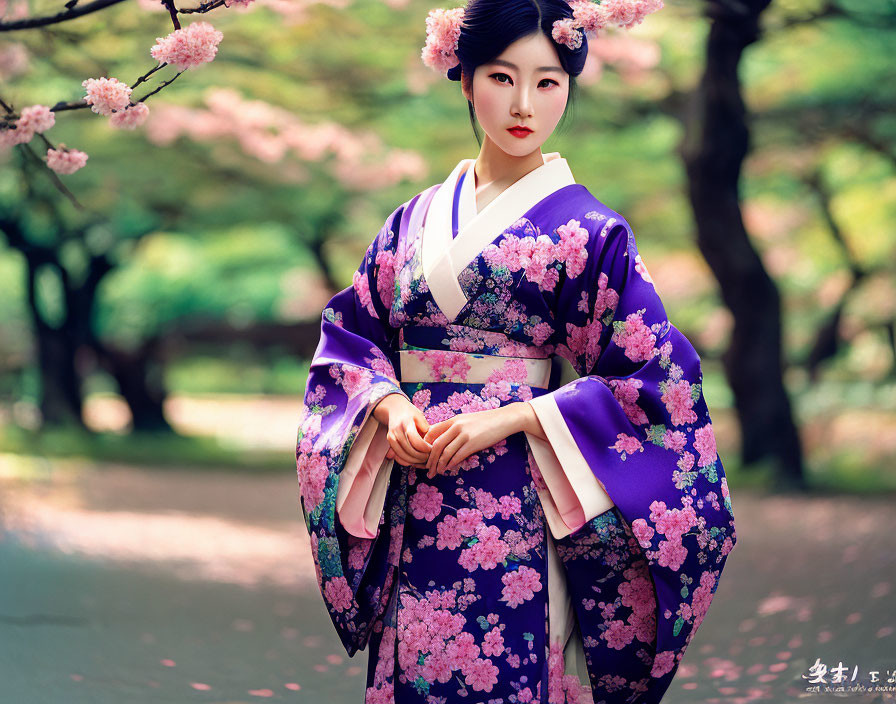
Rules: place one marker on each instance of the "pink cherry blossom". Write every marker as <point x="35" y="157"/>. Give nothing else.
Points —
<point x="481" y="675"/>
<point x="565" y="32"/>
<point x="663" y="663"/>
<point x="636" y="338"/>
<point x="587" y="15"/>
<point x="443" y="29"/>
<point x="312" y="473"/>
<point x="36" y="118"/>
<point x="674" y="440"/>
<point x="626" y="391"/>
<point x="362" y="289"/>
<point x="131" y="117"/>
<point x="509" y="506"/>
<point x="618" y="634"/>
<point x="705" y="444"/>
<point x="355" y="380"/>
<point x="426" y="503"/>
<point x="642" y="531"/>
<point x="607" y="298"/>
<point x="572" y="247"/>
<point x="104" y="95"/>
<point x="628" y="13"/>
<point x="338" y="593"/>
<point x="449" y="537"/>
<point x="191" y="46"/>
<point x="702" y="597"/>
<point x="493" y="643"/>
<point x="672" y="554"/>
<point x="520" y="586"/>
<point x="468" y="520"/>
<point x="385" y="279"/>
<point x="679" y="402"/>
<point x="65" y="161"/>
<point x="487" y="553"/>
<point x="675" y="523"/>
<point x="10" y="137"/>
<point x="627" y="444"/>
<point x="357" y="554"/>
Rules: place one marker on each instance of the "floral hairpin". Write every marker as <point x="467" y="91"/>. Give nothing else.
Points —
<point x="589" y="16"/>
<point x="442" y="35"/>
<point x="443" y="26"/>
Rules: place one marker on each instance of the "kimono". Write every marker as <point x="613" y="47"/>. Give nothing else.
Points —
<point x="575" y="568"/>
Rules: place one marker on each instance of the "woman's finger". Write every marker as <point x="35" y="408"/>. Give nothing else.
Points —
<point x="395" y="448"/>
<point x="407" y="447"/>
<point x="403" y="458"/>
<point x="435" y="430"/>
<point x="438" y="447"/>
<point x="416" y="441"/>
<point x="449" y="453"/>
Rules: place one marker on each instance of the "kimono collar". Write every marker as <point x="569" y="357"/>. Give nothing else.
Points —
<point x="444" y="257"/>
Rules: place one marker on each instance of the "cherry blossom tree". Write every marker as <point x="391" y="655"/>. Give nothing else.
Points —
<point x="355" y="161"/>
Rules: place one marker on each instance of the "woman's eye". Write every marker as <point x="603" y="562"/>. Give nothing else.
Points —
<point x="544" y="81"/>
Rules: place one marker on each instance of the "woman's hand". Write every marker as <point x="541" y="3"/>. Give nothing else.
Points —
<point x="457" y="438"/>
<point x="407" y="425"/>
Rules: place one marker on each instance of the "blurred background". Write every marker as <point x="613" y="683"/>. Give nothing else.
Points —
<point x="159" y="306"/>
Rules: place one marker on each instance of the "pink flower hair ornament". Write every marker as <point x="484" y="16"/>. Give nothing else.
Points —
<point x="589" y="16"/>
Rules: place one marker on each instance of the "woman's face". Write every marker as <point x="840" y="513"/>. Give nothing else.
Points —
<point x="524" y="85"/>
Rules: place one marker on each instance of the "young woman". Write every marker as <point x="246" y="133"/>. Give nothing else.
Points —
<point x="492" y="526"/>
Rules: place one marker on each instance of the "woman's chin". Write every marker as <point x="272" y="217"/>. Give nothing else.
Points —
<point x="516" y="146"/>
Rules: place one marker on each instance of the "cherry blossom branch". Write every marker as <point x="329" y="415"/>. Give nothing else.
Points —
<point x="80" y="104"/>
<point x="70" y="14"/>
<point x="204" y="7"/>
<point x="95" y="6"/>
<point x="159" y="87"/>
<point x="184" y="48"/>
<point x="172" y="10"/>
<point x="53" y="176"/>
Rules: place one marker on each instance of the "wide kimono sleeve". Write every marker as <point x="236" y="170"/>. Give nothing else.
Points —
<point x="341" y="448"/>
<point x="636" y="419"/>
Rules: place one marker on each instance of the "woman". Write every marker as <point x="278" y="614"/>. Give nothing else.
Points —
<point x="489" y="532"/>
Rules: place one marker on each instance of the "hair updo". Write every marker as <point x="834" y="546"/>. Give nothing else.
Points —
<point x="490" y="26"/>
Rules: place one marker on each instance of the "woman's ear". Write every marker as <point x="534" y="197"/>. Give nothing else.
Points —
<point x="466" y="89"/>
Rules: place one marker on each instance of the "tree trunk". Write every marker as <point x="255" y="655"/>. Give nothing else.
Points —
<point x="139" y="378"/>
<point x="715" y="144"/>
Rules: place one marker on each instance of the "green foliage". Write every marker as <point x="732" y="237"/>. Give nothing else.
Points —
<point x="200" y="229"/>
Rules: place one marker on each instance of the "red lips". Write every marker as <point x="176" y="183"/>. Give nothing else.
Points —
<point x="519" y="131"/>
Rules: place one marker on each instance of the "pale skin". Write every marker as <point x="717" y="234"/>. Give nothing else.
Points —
<point x="524" y="85"/>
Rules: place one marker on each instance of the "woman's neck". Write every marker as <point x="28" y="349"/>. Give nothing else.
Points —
<point x="496" y="168"/>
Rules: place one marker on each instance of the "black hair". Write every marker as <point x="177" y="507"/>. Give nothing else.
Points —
<point x="490" y="26"/>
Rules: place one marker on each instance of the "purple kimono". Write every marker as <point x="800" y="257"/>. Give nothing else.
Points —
<point x="572" y="569"/>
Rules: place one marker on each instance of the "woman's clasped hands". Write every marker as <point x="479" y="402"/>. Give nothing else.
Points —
<point x="437" y="447"/>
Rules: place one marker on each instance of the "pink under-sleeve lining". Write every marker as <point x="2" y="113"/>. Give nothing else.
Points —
<point x="361" y="492"/>
<point x="576" y="493"/>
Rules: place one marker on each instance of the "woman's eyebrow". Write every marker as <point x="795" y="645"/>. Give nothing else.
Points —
<point x="501" y="62"/>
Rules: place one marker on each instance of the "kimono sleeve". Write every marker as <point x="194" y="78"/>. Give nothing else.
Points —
<point x="341" y="448"/>
<point x="637" y="419"/>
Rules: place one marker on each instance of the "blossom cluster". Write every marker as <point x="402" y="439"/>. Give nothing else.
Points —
<point x="184" y="48"/>
<point x="589" y="17"/>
